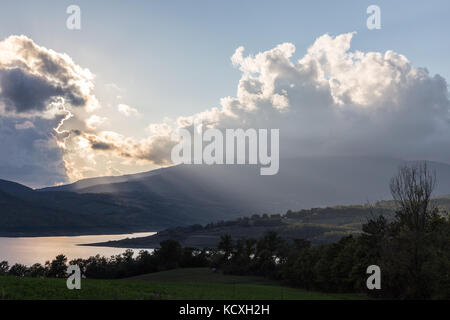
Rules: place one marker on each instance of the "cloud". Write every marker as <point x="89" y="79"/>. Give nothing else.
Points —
<point x="41" y="93"/>
<point x="95" y="121"/>
<point x="29" y="156"/>
<point x="96" y="145"/>
<point x="22" y="92"/>
<point x="330" y="101"/>
<point x="24" y="125"/>
<point x="334" y="101"/>
<point x="31" y="76"/>
<point x="127" y="110"/>
<point x="155" y="149"/>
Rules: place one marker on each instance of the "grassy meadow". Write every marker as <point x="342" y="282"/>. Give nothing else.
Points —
<point x="192" y="284"/>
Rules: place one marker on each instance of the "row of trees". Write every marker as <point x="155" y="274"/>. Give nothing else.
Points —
<point x="170" y="256"/>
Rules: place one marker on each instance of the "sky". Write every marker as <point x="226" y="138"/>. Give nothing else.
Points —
<point x="151" y="62"/>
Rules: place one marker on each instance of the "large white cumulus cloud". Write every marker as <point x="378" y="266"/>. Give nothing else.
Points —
<point x="336" y="101"/>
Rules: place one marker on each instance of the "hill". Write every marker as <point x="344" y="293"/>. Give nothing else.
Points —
<point x="199" y="194"/>
<point x="13" y="188"/>
<point x="25" y="212"/>
<point x="318" y="225"/>
<point x="300" y="184"/>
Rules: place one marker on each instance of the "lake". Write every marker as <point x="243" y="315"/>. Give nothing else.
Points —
<point x="30" y="250"/>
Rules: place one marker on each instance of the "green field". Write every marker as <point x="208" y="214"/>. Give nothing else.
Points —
<point x="196" y="284"/>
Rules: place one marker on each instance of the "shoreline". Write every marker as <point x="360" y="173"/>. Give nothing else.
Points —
<point x="73" y="234"/>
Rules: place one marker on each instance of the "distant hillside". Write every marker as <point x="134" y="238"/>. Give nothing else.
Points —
<point x="25" y="212"/>
<point x="86" y="183"/>
<point x="300" y="184"/>
<point x="318" y="225"/>
<point x="198" y="194"/>
<point x="13" y="188"/>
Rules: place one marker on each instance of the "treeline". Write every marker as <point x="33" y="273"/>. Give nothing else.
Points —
<point x="408" y="271"/>
<point x="170" y="256"/>
<point x="263" y="220"/>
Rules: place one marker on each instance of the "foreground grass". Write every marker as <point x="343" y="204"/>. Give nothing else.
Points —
<point x="203" y="275"/>
<point x="192" y="284"/>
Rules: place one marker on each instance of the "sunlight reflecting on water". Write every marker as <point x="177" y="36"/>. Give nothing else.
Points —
<point x="39" y="249"/>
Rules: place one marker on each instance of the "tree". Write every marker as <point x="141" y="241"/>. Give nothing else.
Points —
<point x="169" y="254"/>
<point x="57" y="268"/>
<point x="18" y="270"/>
<point x="411" y="188"/>
<point x="36" y="270"/>
<point x="407" y="247"/>
<point x="4" y="267"/>
<point x="226" y="245"/>
<point x="271" y="250"/>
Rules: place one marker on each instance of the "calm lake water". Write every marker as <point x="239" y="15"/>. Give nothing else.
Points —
<point x="40" y="249"/>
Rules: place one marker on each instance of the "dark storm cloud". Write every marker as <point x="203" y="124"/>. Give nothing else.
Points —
<point x="22" y="92"/>
<point x="40" y="90"/>
<point x="30" y="156"/>
<point x="102" y="146"/>
<point x="32" y="76"/>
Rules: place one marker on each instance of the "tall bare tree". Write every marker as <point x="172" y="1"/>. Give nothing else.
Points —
<point x="412" y="188"/>
<point x="407" y="245"/>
